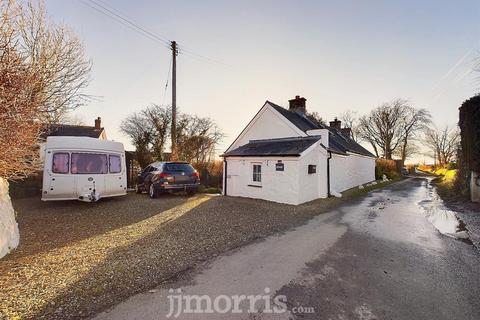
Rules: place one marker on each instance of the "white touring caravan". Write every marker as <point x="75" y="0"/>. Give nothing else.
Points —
<point x="82" y="168"/>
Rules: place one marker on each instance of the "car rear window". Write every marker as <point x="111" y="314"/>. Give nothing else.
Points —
<point x="179" y="167"/>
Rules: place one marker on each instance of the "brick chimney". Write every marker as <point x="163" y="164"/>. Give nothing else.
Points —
<point x="336" y="124"/>
<point x="298" y="105"/>
<point x="98" y="123"/>
<point x="347" y="132"/>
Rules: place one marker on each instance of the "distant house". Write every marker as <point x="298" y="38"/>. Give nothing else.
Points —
<point x="96" y="131"/>
<point x="70" y="130"/>
<point x="283" y="156"/>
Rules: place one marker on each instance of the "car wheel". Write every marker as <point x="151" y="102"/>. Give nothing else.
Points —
<point x="152" y="192"/>
<point x="137" y="188"/>
<point x="191" y="192"/>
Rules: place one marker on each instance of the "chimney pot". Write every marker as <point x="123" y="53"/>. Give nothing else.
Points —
<point x="336" y="124"/>
<point x="298" y="105"/>
<point x="98" y="123"/>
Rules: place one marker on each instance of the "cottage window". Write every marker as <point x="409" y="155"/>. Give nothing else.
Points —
<point x="257" y="173"/>
<point x="89" y="163"/>
<point x="115" y="163"/>
<point x="61" y="162"/>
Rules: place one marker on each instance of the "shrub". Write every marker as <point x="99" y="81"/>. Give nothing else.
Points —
<point x="450" y="175"/>
<point x="211" y="173"/>
<point x="451" y="166"/>
<point x="383" y="166"/>
<point x="440" y="171"/>
<point x="425" y="168"/>
<point x="212" y="190"/>
<point x="392" y="175"/>
<point x="378" y="173"/>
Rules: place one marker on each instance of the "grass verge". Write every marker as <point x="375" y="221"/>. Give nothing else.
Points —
<point x="356" y="192"/>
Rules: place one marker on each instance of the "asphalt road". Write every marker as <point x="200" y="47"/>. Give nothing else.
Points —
<point x="372" y="258"/>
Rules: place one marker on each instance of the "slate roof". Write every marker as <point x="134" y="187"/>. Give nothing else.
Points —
<point x="343" y="142"/>
<point x="72" y="131"/>
<point x="338" y="141"/>
<point x="297" y="119"/>
<point x="274" y="147"/>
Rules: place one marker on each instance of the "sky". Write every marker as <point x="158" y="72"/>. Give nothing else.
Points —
<point x="339" y="55"/>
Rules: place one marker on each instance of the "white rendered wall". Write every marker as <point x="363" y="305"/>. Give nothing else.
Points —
<point x="268" y="124"/>
<point x="277" y="186"/>
<point x="9" y="235"/>
<point x="323" y="133"/>
<point x="314" y="185"/>
<point x="350" y="171"/>
<point x="294" y="185"/>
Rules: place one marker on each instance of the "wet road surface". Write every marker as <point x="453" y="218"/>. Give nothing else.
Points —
<point x="379" y="257"/>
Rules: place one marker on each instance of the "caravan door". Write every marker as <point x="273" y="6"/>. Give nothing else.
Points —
<point x="57" y="182"/>
<point x="116" y="179"/>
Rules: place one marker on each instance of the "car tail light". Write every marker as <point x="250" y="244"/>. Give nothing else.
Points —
<point x="164" y="175"/>
<point x="196" y="174"/>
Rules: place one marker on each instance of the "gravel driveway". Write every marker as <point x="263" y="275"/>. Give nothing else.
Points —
<point x="76" y="259"/>
<point x="378" y="257"/>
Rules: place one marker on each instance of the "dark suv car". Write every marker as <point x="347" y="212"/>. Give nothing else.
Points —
<point x="161" y="177"/>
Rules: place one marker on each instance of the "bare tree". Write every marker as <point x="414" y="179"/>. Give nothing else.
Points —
<point x="410" y="150"/>
<point x="443" y="143"/>
<point x="149" y="131"/>
<point x="316" y="118"/>
<point x="197" y="138"/>
<point x="413" y="122"/>
<point x="19" y="98"/>
<point x="56" y="53"/>
<point x="350" y="120"/>
<point x="75" y="120"/>
<point x="160" y="119"/>
<point x="141" y="133"/>
<point x="391" y="127"/>
<point x="382" y="128"/>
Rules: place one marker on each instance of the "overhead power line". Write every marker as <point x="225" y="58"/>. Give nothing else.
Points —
<point x="114" y="14"/>
<point x="117" y="16"/>
<point x="166" y="82"/>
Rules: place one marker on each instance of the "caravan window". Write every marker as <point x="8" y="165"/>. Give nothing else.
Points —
<point x="84" y="163"/>
<point x="60" y="162"/>
<point x="115" y="164"/>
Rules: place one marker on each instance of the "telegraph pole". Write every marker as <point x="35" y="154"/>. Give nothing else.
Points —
<point x="174" y="100"/>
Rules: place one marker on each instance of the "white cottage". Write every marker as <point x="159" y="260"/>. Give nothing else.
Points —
<point x="285" y="157"/>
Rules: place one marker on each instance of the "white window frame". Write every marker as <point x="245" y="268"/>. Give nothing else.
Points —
<point x="252" y="172"/>
<point x="109" y="163"/>
<point x="68" y="162"/>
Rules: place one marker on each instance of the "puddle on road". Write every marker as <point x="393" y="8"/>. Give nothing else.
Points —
<point x="442" y="218"/>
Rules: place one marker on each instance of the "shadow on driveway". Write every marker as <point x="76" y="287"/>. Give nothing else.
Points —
<point x="48" y="225"/>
